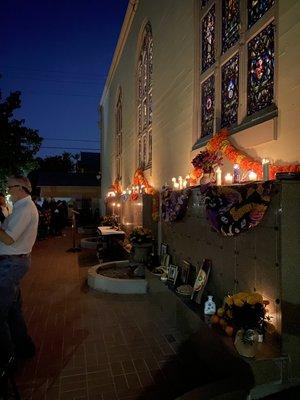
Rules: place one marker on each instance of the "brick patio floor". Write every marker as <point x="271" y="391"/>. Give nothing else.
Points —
<point x="90" y="345"/>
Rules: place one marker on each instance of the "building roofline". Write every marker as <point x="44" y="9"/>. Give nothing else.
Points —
<point x="130" y="13"/>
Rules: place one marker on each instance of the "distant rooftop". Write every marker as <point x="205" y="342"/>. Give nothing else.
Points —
<point x="67" y="179"/>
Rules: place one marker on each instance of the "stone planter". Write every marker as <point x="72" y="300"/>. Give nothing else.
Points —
<point x="141" y="252"/>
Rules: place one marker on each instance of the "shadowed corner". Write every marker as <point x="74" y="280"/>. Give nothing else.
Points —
<point x="202" y="369"/>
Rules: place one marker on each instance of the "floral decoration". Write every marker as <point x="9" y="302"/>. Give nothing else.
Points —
<point x="221" y="143"/>
<point x="207" y="161"/>
<point x="235" y="209"/>
<point x="140" y="235"/>
<point x="243" y="310"/>
<point x="117" y="186"/>
<point x="174" y="204"/>
<point x="109" y="220"/>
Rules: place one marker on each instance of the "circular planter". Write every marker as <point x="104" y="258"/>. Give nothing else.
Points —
<point x="141" y="251"/>
<point x="87" y="230"/>
<point x="89" y="243"/>
<point x="106" y="284"/>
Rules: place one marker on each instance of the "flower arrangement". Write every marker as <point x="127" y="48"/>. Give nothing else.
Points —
<point x="140" y="235"/>
<point x="109" y="220"/>
<point x="245" y="311"/>
<point x="207" y="161"/>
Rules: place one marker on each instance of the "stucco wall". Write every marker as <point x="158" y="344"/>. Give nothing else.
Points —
<point x="173" y="80"/>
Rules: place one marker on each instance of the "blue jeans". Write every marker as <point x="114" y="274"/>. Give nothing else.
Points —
<point x="13" y="329"/>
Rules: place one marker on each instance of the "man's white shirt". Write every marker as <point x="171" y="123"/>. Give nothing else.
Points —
<point x="21" y="226"/>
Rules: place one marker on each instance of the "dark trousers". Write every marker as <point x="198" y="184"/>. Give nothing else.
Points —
<point x="13" y="329"/>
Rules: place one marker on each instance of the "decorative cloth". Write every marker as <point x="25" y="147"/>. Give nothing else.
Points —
<point x="235" y="209"/>
<point x="174" y="204"/>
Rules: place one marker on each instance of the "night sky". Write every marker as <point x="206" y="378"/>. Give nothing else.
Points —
<point x="58" y="53"/>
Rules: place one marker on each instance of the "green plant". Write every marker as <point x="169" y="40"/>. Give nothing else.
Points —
<point x="140" y="235"/>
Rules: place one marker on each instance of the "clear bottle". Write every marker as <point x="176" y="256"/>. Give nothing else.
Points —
<point x="209" y="306"/>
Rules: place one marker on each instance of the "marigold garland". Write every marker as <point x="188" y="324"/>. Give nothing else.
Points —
<point x="117" y="186"/>
<point x="139" y="179"/>
<point x="220" y="143"/>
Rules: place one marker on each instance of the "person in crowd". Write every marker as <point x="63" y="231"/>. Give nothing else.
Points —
<point x="17" y="236"/>
<point x="4" y="210"/>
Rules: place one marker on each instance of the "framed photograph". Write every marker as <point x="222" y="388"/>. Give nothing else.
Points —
<point x="184" y="273"/>
<point x="172" y="273"/>
<point x="165" y="260"/>
<point x="163" y="249"/>
<point x="201" y="280"/>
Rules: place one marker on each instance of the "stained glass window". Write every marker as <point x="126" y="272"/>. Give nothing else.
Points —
<point x="118" y="141"/>
<point x="230" y="23"/>
<point x="144" y="93"/>
<point x="261" y="70"/>
<point x="230" y="92"/>
<point x="208" y="39"/>
<point x="203" y="3"/>
<point x="256" y="9"/>
<point x="208" y="106"/>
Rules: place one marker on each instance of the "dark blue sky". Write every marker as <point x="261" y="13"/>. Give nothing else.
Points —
<point x="58" y="53"/>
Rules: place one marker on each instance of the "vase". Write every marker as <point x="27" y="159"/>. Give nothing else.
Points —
<point x="246" y="342"/>
<point x="206" y="178"/>
<point x="141" y="252"/>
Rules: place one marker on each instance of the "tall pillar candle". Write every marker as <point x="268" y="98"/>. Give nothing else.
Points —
<point x="265" y="167"/>
<point x="218" y="176"/>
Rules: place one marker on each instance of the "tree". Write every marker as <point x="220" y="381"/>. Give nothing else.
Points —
<point x="60" y="163"/>
<point x="19" y="144"/>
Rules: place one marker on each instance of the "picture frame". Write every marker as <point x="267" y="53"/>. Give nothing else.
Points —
<point x="172" y="273"/>
<point x="165" y="260"/>
<point x="185" y="272"/>
<point x="201" y="280"/>
<point x="163" y="248"/>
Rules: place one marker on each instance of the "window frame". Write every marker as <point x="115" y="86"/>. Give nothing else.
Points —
<point x="241" y="47"/>
<point x="144" y="135"/>
<point x="119" y="134"/>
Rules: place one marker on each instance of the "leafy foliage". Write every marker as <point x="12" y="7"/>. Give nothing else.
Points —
<point x="19" y="144"/>
<point x="140" y="235"/>
<point x="59" y="163"/>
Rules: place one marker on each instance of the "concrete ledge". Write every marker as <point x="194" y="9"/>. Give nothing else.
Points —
<point x="107" y="284"/>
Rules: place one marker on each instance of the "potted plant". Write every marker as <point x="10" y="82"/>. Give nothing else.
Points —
<point x="141" y="240"/>
<point x="244" y="313"/>
<point x="207" y="161"/>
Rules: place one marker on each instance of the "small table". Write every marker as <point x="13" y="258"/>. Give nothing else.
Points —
<point x="109" y="236"/>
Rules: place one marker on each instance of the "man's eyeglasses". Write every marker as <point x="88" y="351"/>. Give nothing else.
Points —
<point x="9" y="187"/>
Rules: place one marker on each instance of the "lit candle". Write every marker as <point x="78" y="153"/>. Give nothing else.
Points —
<point x="228" y="178"/>
<point x="180" y="182"/>
<point x="176" y="185"/>
<point x="187" y="178"/>
<point x="236" y="173"/>
<point x="265" y="166"/>
<point x="218" y="176"/>
<point x="252" y="176"/>
<point x="174" y="182"/>
<point x="184" y="183"/>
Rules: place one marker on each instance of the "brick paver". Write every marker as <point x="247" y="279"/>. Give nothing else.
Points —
<point x="89" y="345"/>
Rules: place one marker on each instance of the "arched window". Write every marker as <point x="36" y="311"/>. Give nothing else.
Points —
<point x="118" y="135"/>
<point x="144" y="99"/>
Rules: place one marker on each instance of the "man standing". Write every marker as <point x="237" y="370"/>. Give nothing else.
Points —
<point x="17" y="236"/>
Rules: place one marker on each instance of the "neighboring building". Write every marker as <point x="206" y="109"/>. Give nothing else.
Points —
<point x="182" y="70"/>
